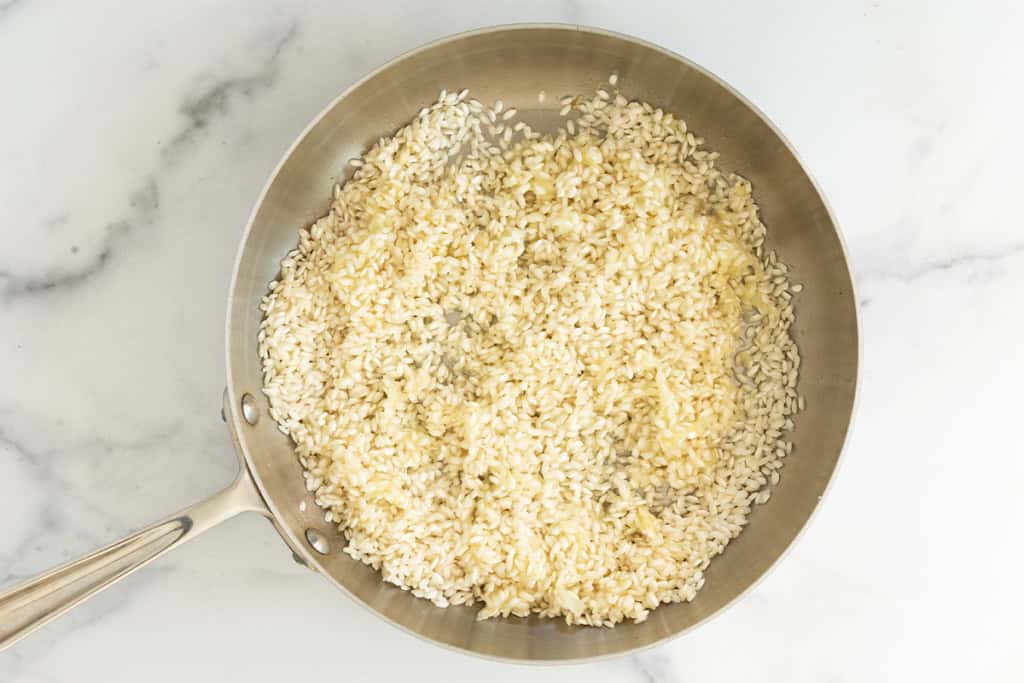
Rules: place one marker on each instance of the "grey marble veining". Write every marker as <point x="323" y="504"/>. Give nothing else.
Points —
<point x="134" y="139"/>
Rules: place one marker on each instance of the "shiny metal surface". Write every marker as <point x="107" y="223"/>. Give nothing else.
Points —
<point x="250" y="412"/>
<point x="516" y="64"/>
<point x="318" y="541"/>
<point x="41" y="599"/>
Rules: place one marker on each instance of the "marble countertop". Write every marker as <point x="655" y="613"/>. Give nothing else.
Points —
<point x="134" y="138"/>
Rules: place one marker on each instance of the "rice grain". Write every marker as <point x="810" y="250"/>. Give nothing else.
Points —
<point x="549" y="379"/>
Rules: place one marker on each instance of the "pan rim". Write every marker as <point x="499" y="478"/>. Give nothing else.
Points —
<point x="293" y="540"/>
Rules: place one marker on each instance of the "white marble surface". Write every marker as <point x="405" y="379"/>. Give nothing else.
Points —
<point x="134" y="138"/>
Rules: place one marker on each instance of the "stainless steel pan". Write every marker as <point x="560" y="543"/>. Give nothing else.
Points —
<point x="514" y="63"/>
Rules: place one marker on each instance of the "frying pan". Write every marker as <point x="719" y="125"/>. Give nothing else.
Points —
<point x="514" y="63"/>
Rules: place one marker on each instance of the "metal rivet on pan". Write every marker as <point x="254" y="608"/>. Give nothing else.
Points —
<point x="224" y="402"/>
<point x="249" y="410"/>
<point x="317" y="540"/>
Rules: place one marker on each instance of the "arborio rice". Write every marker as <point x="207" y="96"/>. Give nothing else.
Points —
<point x="537" y="374"/>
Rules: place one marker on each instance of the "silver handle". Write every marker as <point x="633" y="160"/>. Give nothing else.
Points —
<point x="35" y="602"/>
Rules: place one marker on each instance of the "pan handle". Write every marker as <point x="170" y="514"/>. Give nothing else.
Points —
<point x="33" y="603"/>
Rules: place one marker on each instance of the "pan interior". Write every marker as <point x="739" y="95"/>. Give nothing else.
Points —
<point x="516" y="64"/>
